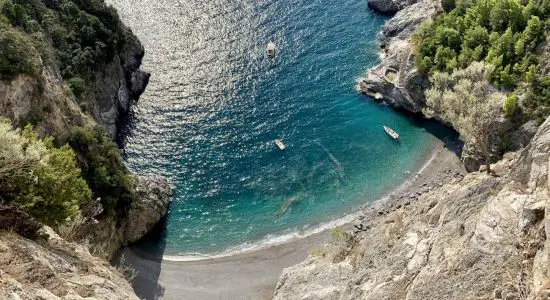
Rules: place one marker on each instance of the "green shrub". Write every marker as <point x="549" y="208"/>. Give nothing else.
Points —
<point x="17" y="54"/>
<point x="44" y="180"/>
<point x="447" y="5"/>
<point x="510" y="105"/>
<point x="103" y="169"/>
<point x="338" y="233"/>
<point x="77" y="86"/>
<point x="537" y="99"/>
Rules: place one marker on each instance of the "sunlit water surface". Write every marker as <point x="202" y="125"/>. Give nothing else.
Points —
<point x="215" y="103"/>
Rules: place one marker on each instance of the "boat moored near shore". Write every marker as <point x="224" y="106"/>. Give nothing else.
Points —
<point x="391" y="132"/>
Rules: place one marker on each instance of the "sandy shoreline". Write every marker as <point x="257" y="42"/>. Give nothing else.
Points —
<point x="254" y="274"/>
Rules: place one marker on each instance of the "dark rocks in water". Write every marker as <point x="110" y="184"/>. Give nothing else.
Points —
<point x="389" y="6"/>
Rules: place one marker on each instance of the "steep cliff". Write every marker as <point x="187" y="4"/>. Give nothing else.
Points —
<point x="106" y="235"/>
<point x="45" y="100"/>
<point x="118" y="84"/>
<point x="480" y="237"/>
<point x="70" y="68"/>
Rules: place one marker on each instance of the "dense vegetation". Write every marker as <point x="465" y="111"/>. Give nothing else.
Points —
<point x="504" y="33"/>
<point x="76" y="37"/>
<point x="41" y="178"/>
<point x="103" y="169"/>
<point x="84" y="34"/>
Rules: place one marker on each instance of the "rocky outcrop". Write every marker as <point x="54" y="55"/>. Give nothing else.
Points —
<point x="45" y="102"/>
<point x="153" y="196"/>
<point x="120" y="83"/>
<point x="395" y="79"/>
<point x="396" y="82"/>
<point x="480" y="237"/>
<point x="389" y="6"/>
<point x="56" y="269"/>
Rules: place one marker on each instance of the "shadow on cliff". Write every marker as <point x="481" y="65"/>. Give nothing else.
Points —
<point x="447" y="135"/>
<point x="141" y="263"/>
<point x="125" y="129"/>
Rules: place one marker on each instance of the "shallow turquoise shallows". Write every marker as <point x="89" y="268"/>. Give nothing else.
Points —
<point x="215" y="104"/>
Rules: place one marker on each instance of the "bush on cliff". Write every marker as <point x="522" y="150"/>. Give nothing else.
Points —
<point x="42" y="179"/>
<point x="103" y="169"/>
<point x="466" y="100"/>
<point x="510" y="105"/>
<point x="17" y="53"/>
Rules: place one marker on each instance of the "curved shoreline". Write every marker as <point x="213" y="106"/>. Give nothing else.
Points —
<point x="279" y="239"/>
<point x="253" y="274"/>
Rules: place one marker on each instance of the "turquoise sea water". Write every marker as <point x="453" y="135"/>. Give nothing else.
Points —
<point x="215" y="103"/>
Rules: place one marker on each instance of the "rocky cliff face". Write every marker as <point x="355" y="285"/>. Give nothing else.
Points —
<point x="107" y="236"/>
<point x="120" y="83"/>
<point x="44" y="101"/>
<point x="55" y="269"/>
<point x="480" y="237"/>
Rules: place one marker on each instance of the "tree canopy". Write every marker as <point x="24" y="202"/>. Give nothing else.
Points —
<point x="504" y="33"/>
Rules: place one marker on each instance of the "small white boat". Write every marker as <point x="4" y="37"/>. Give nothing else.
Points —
<point x="270" y="49"/>
<point x="391" y="132"/>
<point x="280" y="145"/>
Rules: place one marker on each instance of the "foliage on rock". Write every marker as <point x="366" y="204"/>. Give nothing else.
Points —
<point x="78" y="37"/>
<point x="103" y="168"/>
<point x="42" y="179"/>
<point x="466" y="99"/>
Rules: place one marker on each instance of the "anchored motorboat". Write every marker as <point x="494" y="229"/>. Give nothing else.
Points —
<point x="391" y="132"/>
<point x="280" y="145"/>
<point x="270" y="49"/>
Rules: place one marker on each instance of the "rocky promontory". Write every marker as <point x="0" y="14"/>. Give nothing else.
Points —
<point x="396" y="81"/>
<point x="119" y="84"/>
<point x="151" y="205"/>
<point x="389" y="6"/>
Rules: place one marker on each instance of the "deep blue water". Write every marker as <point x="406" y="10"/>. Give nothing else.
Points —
<point x="215" y="103"/>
